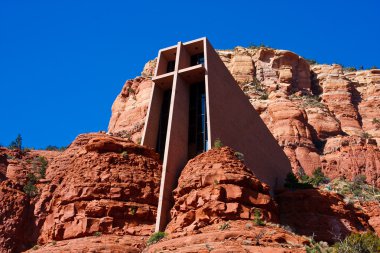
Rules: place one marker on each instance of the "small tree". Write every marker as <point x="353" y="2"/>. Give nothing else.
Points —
<point x="318" y="177"/>
<point x="17" y="143"/>
<point x="43" y="166"/>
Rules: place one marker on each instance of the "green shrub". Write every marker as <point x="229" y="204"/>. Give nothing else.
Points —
<point x="132" y="210"/>
<point x="264" y="96"/>
<point x="124" y="154"/>
<point x="10" y="157"/>
<point x="311" y="61"/>
<point x="257" y="218"/>
<point x="312" y="101"/>
<point x="359" y="243"/>
<point x="366" y="135"/>
<point x="224" y="226"/>
<point x="97" y="233"/>
<point x="376" y="122"/>
<point x="51" y="148"/>
<point x="30" y="189"/>
<point x="349" y="69"/>
<point x="374" y="67"/>
<point x="43" y="166"/>
<point x="239" y="156"/>
<point x="131" y="90"/>
<point x="218" y="143"/>
<point x="318" y="177"/>
<point x="155" y="237"/>
<point x="357" y="185"/>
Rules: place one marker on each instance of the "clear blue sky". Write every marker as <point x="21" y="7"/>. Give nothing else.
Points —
<point x="62" y="63"/>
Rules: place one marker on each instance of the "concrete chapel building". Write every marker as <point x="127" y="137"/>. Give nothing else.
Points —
<point x="194" y="101"/>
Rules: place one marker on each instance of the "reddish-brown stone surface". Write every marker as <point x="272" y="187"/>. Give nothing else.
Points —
<point x="320" y="213"/>
<point x="240" y="236"/>
<point x="217" y="186"/>
<point x="215" y="202"/>
<point x="13" y="218"/>
<point x="99" y="184"/>
<point x="101" y="244"/>
<point x="372" y="210"/>
<point x="350" y="156"/>
<point x="130" y="108"/>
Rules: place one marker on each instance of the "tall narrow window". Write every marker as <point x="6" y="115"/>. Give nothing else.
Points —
<point x="197" y="120"/>
<point x="197" y="59"/>
<point x="163" y="125"/>
<point x="170" y="67"/>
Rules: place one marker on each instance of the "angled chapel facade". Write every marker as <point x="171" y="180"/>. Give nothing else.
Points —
<point x="194" y="101"/>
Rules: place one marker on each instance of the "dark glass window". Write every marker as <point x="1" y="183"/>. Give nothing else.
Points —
<point x="170" y="67"/>
<point x="197" y="59"/>
<point x="197" y="120"/>
<point x="163" y="124"/>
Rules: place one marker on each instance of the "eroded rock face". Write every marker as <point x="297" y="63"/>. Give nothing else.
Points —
<point x="320" y="213"/>
<point x="215" y="204"/>
<point x="350" y="156"/>
<point x="372" y="210"/>
<point x="100" y="184"/>
<point x="217" y="186"/>
<point x="101" y="244"/>
<point x="130" y="108"/>
<point x="240" y="236"/>
<point x="14" y="206"/>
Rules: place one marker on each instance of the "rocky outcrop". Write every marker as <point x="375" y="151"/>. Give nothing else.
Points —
<point x="3" y="164"/>
<point x="239" y="236"/>
<point x="100" y="184"/>
<point x="130" y="108"/>
<point x="216" y="203"/>
<point x="14" y="206"/>
<point x="372" y="210"/>
<point x="217" y="186"/>
<point x="322" y="214"/>
<point x="339" y="94"/>
<point x="349" y="156"/>
<point x="98" y="243"/>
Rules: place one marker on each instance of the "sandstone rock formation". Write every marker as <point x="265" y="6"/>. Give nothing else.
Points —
<point x="13" y="218"/>
<point x="98" y="244"/>
<point x="100" y="184"/>
<point x="130" y="108"/>
<point x="216" y="202"/>
<point x="322" y="214"/>
<point x="350" y="156"/>
<point x="240" y="236"/>
<point x="217" y="186"/>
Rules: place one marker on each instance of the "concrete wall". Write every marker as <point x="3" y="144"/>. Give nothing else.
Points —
<point x="153" y="117"/>
<point x="175" y="157"/>
<point x="232" y="118"/>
